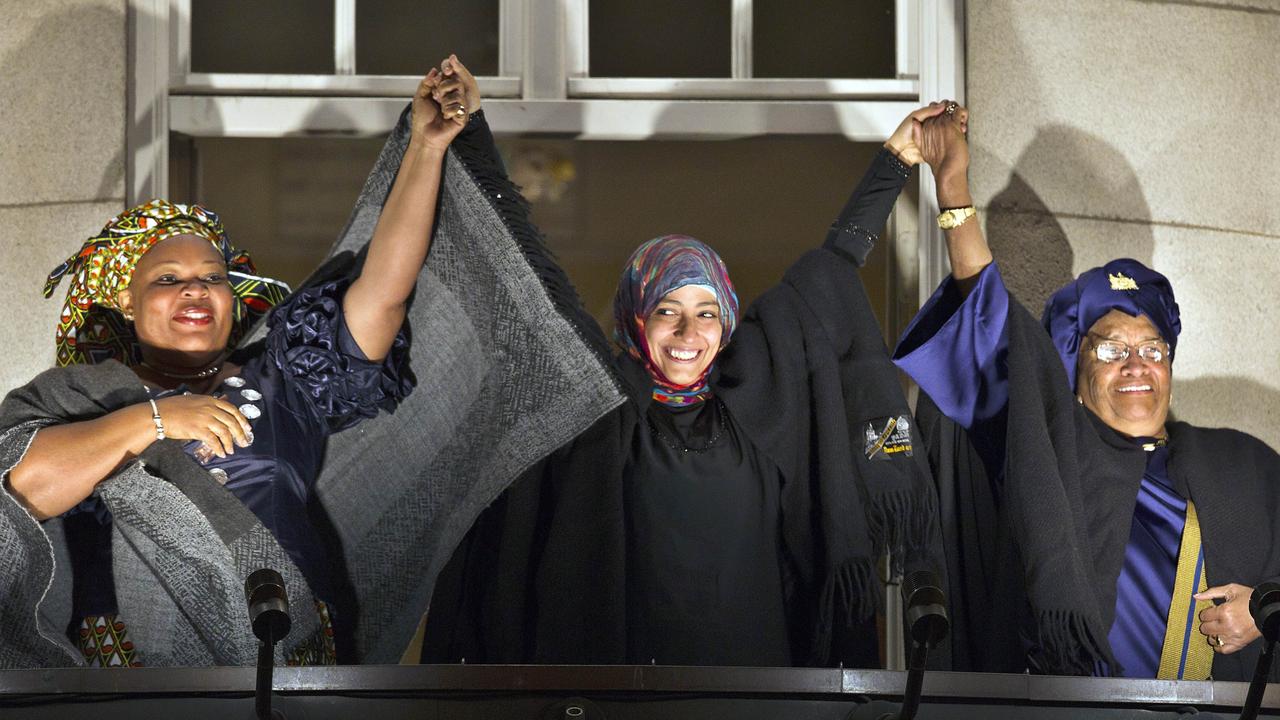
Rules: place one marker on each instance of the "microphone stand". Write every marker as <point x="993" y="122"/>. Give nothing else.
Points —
<point x="262" y="688"/>
<point x="269" y="616"/>
<point x="1264" y="606"/>
<point x="928" y="624"/>
<point x="1259" y="684"/>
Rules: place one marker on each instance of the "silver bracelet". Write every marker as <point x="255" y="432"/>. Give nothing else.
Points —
<point x="155" y="417"/>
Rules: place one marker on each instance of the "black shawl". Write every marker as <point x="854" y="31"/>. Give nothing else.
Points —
<point x="543" y="575"/>
<point x="1033" y="563"/>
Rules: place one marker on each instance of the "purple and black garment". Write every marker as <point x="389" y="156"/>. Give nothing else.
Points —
<point x="959" y="350"/>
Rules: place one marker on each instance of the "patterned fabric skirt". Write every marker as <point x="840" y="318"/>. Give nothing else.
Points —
<point x="104" y="642"/>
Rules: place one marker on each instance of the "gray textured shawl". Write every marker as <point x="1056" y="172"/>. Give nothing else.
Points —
<point x="505" y="374"/>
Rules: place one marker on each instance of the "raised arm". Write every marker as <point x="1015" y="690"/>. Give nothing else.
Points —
<point x="943" y="144"/>
<point x="855" y="231"/>
<point x="374" y="306"/>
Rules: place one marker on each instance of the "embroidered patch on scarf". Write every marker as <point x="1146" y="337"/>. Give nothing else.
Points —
<point x="887" y="438"/>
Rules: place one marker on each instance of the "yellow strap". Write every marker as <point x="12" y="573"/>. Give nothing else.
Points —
<point x="1186" y="654"/>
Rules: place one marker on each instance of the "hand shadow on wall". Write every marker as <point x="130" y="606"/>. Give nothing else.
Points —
<point x="1109" y="217"/>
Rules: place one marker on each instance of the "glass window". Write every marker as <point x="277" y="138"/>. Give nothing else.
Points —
<point x="659" y="38"/>
<point x="405" y="37"/>
<point x="761" y="202"/>
<point x="252" y="36"/>
<point x="823" y="39"/>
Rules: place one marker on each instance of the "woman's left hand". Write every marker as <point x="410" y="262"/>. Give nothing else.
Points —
<point x="903" y="142"/>
<point x="1228" y="627"/>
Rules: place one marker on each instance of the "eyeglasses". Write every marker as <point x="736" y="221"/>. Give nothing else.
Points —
<point x="1109" y="351"/>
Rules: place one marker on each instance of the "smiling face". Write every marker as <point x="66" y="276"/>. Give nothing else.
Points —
<point x="683" y="333"/>
<point x="1131" y="395"/>
<point x="180" y="301"/>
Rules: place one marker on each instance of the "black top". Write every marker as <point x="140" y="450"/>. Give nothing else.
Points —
<point x="703" y="539"/>
<point x="618" y="548"/>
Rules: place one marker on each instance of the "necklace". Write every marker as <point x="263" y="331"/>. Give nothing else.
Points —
<point x="680" y="447"/>
<point x="205" y="373"/>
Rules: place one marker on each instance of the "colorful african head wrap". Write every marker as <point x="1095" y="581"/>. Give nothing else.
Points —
<point x="656" y="268"/>
<point x="91" y="328"/>
<point x="1126" y="285"/>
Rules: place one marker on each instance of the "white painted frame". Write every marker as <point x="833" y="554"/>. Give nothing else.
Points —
<point x="544" y="87"/>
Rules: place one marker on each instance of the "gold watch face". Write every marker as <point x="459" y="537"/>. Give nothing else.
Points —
<point x="955" y="217"/>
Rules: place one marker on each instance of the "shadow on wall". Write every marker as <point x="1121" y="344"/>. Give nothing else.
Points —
<point x="51" y="99"/>
<point x="1037" y="256"/>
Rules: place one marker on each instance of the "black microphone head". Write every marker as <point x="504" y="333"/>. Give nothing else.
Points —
<point x="1264" y="606"/>
<point x="925" y="606"/>
<point x="268" y="605"/>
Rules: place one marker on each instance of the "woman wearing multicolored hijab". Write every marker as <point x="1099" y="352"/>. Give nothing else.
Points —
<point x="733" y="510"/>
<point x="1088" y="533"/>
<point x="149" y="384"/>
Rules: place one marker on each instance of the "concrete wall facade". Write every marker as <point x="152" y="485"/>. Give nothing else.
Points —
<point x="62" y="168"/>
<point x="1148" y="129"/>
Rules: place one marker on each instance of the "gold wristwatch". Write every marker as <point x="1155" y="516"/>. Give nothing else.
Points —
<point x="955" y="217"/>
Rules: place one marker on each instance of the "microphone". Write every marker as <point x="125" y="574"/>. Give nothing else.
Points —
<point x="927" y="625"/>
<point x="268" y="601"/>
<point x="926" y="608"/>
<point x="1264" y="606"/>
<point x="268" y="605"/>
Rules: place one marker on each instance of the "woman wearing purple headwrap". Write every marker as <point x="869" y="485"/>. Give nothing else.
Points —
<point x="1087" y="533"/>
<point x="732" y="511"/>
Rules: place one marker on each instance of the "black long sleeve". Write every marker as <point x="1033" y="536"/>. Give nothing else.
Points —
<point x="856" y="230"/>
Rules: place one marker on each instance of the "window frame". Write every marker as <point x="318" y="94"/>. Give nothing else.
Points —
<point x="544" y="87"/>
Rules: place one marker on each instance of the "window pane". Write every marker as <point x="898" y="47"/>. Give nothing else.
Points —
<point x="823" y="39"/>
<point x="761" y="202"/>
<point x="659" y="38"/>
<point x="406" y="37"/>
<point x="253" y="36"/>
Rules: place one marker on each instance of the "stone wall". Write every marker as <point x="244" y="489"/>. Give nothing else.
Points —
<point x="62" y="100"/>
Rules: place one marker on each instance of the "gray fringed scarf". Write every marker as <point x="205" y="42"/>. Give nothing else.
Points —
<point x="507" y="367"/>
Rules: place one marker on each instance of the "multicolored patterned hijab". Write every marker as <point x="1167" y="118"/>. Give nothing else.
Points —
<point x="91" y="328"/>
<point x="656" y="268"/>
<point x="1124" y="284"/>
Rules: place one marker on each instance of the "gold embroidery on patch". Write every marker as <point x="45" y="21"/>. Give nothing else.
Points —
<point x="1120" y="281"/>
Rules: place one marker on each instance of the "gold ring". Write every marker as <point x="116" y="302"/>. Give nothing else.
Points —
<point x="462" y="110"/>
<point x="1217" y="640"/>
<point x="951" y="108"/>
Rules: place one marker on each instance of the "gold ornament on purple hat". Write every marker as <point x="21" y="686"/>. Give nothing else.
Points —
<point x="91" y="328"/>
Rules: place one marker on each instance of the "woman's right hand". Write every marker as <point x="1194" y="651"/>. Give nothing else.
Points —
<point x="207" y="418"/>
<point x="943" y="143"/>
<point x="903" y="140"/>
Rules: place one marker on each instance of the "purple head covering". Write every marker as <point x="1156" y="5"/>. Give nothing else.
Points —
<point x="656" y="268"/>
<point x="1126" y="285"/>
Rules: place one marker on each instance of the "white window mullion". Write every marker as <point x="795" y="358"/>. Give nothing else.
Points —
<point x="577" y="45"/>
<point x="147" y="101"/>
<point x="179" y="39"/>
<point x="511" y="32"/>
<point x="906" y="17"/>
<point x="941" y="76"/>
<point x="740" y="51"/>
<point x="344" y="37"/>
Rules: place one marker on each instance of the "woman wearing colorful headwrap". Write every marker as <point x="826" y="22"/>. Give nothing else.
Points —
<point x="148" y="383"/>
<point x="733" y="510"/>
<point x="1087" y="533"/>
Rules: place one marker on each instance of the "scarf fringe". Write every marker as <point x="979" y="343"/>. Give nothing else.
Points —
<point x="1068" y="646"/>
<point x="513" y="209"/>
<point x="850" y="594"/>
<point x="902" y="524"/>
